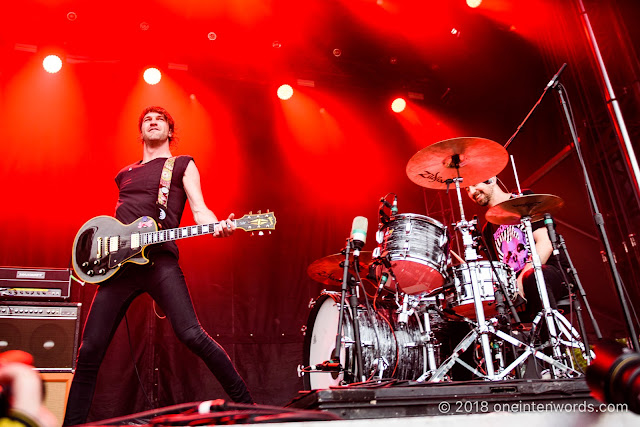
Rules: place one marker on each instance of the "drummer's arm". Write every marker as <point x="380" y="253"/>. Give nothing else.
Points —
<point x="544" y="249"/>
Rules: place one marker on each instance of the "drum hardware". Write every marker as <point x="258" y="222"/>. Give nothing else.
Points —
<point x="528" y="207"/>
<point x="438" y="166"/>
<point x="529" y="349"/>
<point x="524" y="209"/>
<point x="567" y="336"/>
<point x="387" y="209"/>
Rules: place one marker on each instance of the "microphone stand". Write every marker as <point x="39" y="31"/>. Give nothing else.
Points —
<point x="560" y="245"/>
<point x="599" y="221"/>
<point x="353" y="302"/>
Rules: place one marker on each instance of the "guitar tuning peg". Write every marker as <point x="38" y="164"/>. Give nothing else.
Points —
<point x="269" y="232"/>
<point x="260" y="233"/>
<point x="252" y="233"/>
<point x="250" y="212"/>
<point x="260" y="211"/>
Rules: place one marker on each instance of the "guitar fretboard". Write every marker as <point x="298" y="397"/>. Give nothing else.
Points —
<point x="176" y="233"/>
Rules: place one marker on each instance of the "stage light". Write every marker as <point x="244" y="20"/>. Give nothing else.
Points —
<point x="52" y="64"/>
<point x="398" y="105"/>
<point x="152" y="75"/>
<point x="474" y="3"/>
<point x="285" y="92"/>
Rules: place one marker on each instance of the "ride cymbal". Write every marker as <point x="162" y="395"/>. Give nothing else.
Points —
<point x="330" y="269"/>
<point x="473" y="159"/>
<point x="511" y="211"/>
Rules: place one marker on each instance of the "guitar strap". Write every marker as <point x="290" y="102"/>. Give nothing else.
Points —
<point x="163" y="188"/>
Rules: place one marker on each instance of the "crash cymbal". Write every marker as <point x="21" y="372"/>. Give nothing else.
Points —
<point x="511" y="211"/>
<point x="330" y="269"/>
<point x="478" y="159"/>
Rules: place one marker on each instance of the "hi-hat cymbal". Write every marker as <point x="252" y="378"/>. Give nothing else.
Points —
<point x="511" y="211"/>
<point x="330" y="269"/>
<point x="477" y="159"/>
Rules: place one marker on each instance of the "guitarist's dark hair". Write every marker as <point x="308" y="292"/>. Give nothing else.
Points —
<point x="155" y="109"/>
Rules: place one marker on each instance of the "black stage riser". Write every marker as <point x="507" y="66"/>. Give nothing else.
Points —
<point x="426" y="399"/>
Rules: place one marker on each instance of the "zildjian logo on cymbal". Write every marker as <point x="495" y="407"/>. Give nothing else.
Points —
<point x="432" y="177"/>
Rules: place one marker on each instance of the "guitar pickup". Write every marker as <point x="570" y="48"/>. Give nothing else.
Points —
<point x="135" y="240"/>
<point x="99" y="247"/>
<point x="114" y="244"/>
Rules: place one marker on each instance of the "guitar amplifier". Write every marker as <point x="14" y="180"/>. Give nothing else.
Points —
<point x="30" y="283"/>
<point x="47" y="330"/>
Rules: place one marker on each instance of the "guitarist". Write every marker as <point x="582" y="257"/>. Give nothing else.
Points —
<point x="162" y="278"/>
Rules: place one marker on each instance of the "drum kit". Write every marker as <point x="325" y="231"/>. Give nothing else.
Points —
<point x="400" y="332"/>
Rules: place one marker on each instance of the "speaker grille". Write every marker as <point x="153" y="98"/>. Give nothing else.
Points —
<point x="49" y="332"/>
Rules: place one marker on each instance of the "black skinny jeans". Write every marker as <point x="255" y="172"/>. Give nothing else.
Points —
<point x="556" y="290"/>
<point x="165" y="283"/>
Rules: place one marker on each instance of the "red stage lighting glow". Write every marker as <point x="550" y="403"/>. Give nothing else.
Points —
<point x="474" y="3"/>
<point x="152" y="76"/>
<point x="398" y="105"/>
<point x="285" y="92"/>
<point x="52" y="64"/>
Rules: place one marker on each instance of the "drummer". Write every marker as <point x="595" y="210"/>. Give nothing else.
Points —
<point x="507" y="243"/>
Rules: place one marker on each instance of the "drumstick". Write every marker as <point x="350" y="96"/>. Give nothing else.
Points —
<point x="456" y="256"/>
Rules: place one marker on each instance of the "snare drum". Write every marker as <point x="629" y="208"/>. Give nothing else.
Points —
<point x="458" y="296"/>
<point x="388" y="349"/>
<point x="418" y="248"/>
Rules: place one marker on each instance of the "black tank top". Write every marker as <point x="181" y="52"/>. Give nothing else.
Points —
<point x="138" y="184"/>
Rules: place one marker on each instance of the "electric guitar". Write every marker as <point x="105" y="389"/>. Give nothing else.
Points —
<point x="104" y="244"/>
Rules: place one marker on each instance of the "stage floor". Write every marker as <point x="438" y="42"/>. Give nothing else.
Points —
<point x="560" y="402"/>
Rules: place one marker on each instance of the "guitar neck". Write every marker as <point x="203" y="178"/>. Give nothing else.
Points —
<point x="176" y="233"/>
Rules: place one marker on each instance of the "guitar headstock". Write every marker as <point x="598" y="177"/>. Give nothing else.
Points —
<point x="257" y="222"/>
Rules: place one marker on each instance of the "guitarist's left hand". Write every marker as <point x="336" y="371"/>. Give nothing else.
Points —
<point x="225" y="228"/>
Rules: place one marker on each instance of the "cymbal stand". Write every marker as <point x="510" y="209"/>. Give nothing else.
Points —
<point x="353" y="302"/>
<point x="471" y="256"/>
<point x="542" y="290"/>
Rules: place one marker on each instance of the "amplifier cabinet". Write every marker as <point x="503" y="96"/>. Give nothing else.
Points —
<point x="30" y="283"/>
<point x="47" y="330"/>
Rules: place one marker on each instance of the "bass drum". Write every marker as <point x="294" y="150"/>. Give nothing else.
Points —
<point x="389" y="350"/>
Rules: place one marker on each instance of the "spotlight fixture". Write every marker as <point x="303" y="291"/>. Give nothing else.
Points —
<point x="152" y="76"/>
<point x="474" y="3"/>
<point x="285" y="92"/>
<point x="144" y="26"/>
<point x="52" y="64"/>
<point x="276" y="44"/>
<point x="337" y="53"/>
<point x="398" y="105"/>
<point x="72" y="16"/>
<point x="212" y="36"/>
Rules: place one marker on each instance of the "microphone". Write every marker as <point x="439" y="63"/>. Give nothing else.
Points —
<point x="551" y="229"/>
<point x="394" y="207"/>
<point x="555" y="78"/>
<point x="359" y="233"/>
